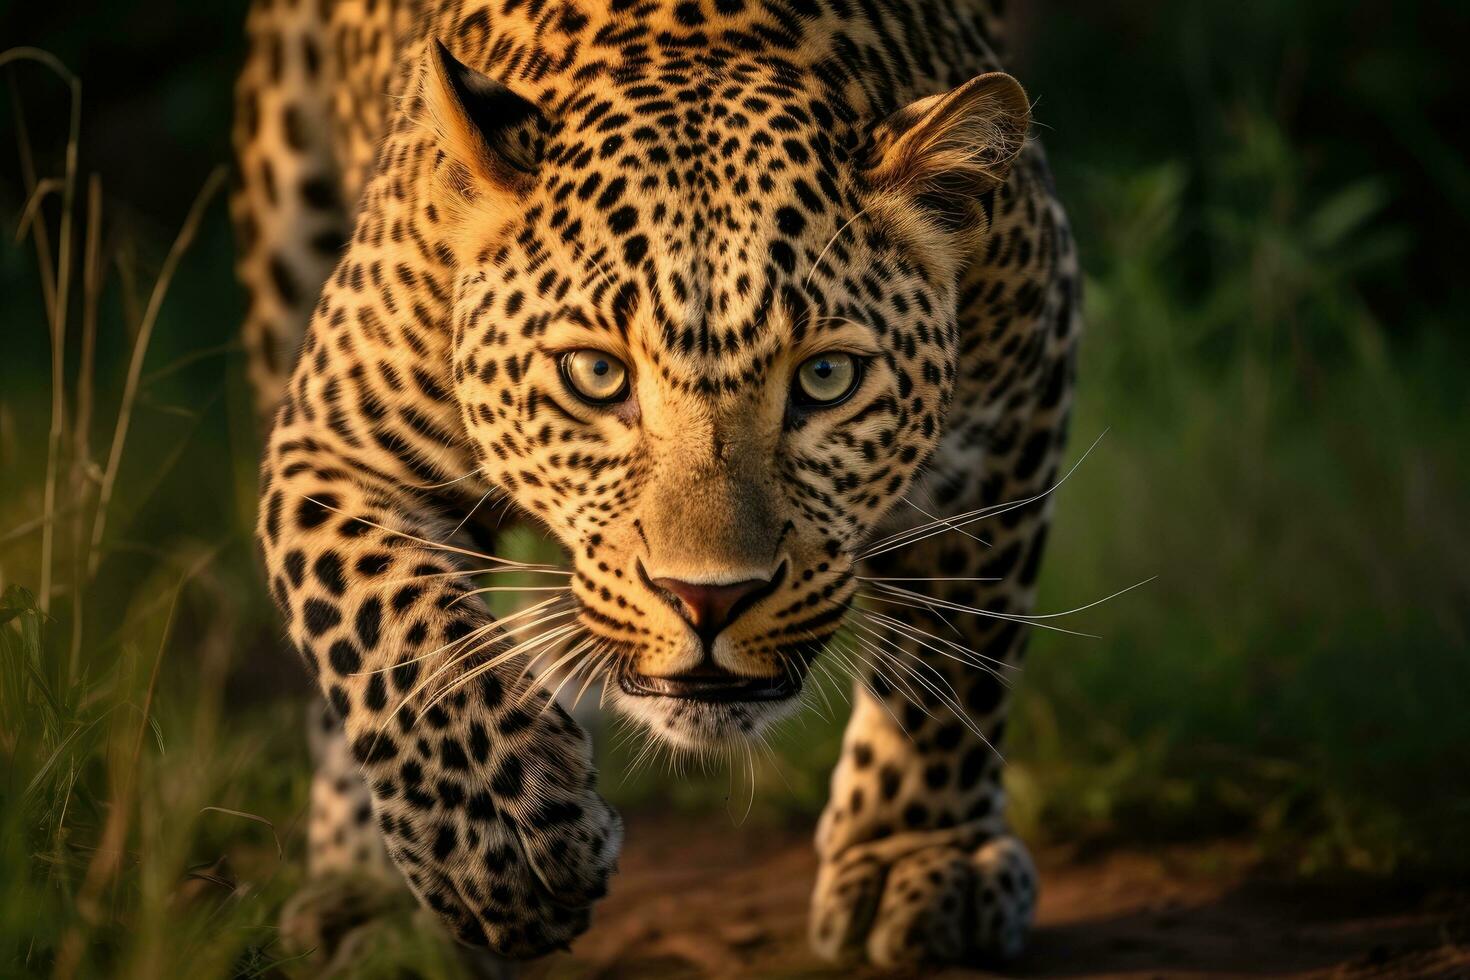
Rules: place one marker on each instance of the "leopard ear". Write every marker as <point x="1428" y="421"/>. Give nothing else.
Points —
<point x="934" y="158"/>
<point x="497" y="135"/>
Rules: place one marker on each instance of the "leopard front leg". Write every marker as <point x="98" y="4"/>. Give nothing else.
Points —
<point x="917" y="862"/>
<point x="482" y="788"/>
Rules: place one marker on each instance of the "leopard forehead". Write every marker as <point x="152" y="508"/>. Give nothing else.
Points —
<point x="704" y="222"/>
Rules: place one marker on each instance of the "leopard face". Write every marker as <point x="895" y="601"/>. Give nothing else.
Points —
<point x="704" y="330"/>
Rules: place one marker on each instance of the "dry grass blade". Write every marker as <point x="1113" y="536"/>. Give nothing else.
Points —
<point x="176" y="252"/>
<point x="58" y="306"/>
<point x="43" y="189"/>
<point x="39" y="235"/>
<point x="280" y="851"/>
<point x="82" y="465"/>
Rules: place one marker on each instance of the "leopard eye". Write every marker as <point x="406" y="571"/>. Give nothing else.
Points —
<point x="826" y="379"/>
<point x="595" y="376"/>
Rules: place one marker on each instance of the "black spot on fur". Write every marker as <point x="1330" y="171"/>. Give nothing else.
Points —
<point x="319" y="616"/>
<point x="368" y="623"/>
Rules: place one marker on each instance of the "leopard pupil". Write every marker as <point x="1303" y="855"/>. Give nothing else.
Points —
<point x="600" y="368"/>
<point x="823" y="369"/>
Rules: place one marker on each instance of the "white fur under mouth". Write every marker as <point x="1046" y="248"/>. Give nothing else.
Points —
<point x="703" y="725"/>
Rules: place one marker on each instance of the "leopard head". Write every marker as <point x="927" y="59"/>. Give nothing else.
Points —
<point x="704" y="330"/>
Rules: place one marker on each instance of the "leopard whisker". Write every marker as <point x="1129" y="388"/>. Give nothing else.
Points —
<point x="947" y="522"/>
<point x="541" y="606"/>
<point x="475" y="573"/>
<point x="810" y="692"/>
<point x="570" y="655"/>
<point x="509" y="588"/>
<point x="548" y="646"/>
<point x="789" y="670"/>
<point x="942" y="652"/>
<point x="903" y="539"/>
<point x="624" y="731"/>
<point x="895" y="624"/>
<point x="858" y="678"/>
<point x="473" y="672"/>
<point x="940" y="526"/>
<point x="914" y="632"/>
<point x="734" y="755"/>
<point x="892" y="681"/>
<point x="477" y="471"/>
<point x="1026" y="617"/>
<point x="435" y="545"/>
<point x="837" y="685"/>
<point x="550" y="636"/>
<point x="950" y="700"/>
<point x="589" y="650"/>
<point x="472" y="649"/>
<point x="592" y="260"/>
<point x="750" y="767"/>
<point x="931" y="578"/>
<point x="985" y="613"/>
<point x="948" y="696"/>
<point x="927" y="606"/>
<point x="830" y="242"/>
<point x="602" y="694"/>
<point x="504" y="656"/>
<point x="471" y="512"/>
<point x="896" y="679"/>
<point x="1031" y="618"/>
<point x="419" y="688"/>
<point x="601" y="655"/>
<point x="403" y="701"/>
<point x="763" y="745"/>
<point x="649" y="743"/>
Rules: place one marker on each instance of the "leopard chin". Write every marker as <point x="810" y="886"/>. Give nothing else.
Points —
<point x="703" y="726"/>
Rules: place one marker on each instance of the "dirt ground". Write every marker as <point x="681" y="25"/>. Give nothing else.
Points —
<point x="724" y="901"/>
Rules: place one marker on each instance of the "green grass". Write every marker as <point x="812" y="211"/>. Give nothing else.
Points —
<point x="1274" y="347"/>
<point x="1298" y="486"/>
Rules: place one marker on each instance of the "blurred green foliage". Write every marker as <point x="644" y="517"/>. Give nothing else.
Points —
<point x="1270" y="205"/>
<point x="1273" y="309"/>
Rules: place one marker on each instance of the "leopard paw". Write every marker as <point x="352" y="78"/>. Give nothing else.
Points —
<point x="512" y="854"/>
<point x="918" y="898"/>
<point x="324" y="920"/>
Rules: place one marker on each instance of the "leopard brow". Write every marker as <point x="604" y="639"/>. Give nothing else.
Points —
<point x="834" y="324"/>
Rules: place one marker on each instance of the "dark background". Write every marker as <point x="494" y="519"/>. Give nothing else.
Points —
<point x="1271" y="201"/>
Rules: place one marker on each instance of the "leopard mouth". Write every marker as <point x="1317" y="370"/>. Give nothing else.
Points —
<point x="709" y="684"/>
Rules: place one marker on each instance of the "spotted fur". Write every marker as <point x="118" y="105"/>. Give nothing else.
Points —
<point x="709" y="192"/>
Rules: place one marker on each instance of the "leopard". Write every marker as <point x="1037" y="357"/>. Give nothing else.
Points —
<point x="765" y="314"/>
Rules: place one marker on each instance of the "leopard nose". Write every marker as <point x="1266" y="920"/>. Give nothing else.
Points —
<point x="709" y="608"/>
